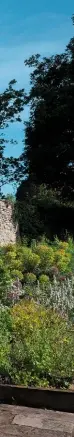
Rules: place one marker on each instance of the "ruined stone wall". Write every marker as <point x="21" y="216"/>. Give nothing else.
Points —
<point x="8" y="228"/>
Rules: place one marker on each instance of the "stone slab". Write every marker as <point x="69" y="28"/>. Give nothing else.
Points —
<point x="9" y="432"/>
<point x="18" y="421"/>
<point x="45" y="420"/>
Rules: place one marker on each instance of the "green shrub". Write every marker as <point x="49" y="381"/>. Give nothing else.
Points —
<point x="5" y="341"/>
<point x="44" y="280"/>
<point x="30" y="278"/>
<point x="37" y="264"/>
<point x="43" y="344"/>
<point x="35" y="343"/>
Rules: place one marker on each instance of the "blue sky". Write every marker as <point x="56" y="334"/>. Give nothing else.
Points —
<point x="28" y="27"/>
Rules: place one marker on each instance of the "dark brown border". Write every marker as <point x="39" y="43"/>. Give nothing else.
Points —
<point x="60" y="400"/>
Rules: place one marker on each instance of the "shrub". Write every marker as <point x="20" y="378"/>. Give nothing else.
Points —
<point x="5" y="338"/>
<point x="46" y="254"/>
<point x="35" y="343"/>
<point x="30" y="278"/>
<point x="44" y="281"/>
<point x="43" y="344"/>
<point x="58" y="295"/>
<point x="40" y="262"/>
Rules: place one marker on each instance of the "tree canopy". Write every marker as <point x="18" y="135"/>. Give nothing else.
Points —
<point x="48" y="154"/>
<point x="11" y="105"/>
<point x="49" y="145"/>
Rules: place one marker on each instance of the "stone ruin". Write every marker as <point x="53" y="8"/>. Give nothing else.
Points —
<point x="9" y="231"/>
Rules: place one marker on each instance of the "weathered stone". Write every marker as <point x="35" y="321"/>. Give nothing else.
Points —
<point x="30" y="422"/>
<point x="8" y="229"/>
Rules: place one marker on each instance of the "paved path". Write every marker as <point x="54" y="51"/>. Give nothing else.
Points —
<point x="28" y="422"/>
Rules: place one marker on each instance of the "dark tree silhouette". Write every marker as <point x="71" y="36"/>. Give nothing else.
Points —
<point x="48" y="155"/>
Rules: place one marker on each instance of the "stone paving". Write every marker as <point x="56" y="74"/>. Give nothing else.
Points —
<point x="28" y="422"/>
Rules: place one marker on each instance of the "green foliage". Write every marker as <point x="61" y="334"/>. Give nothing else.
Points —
<point x="5" y="277"/>
<point x="46" y="254"/>
<point x="31" y="224"/>
<point x="10" y="198"/>
<point x="5" y="339"/>
<point x="43" y="344"/>
<point x="37" y="264"/>
<point x="11" y="104"/>
<point x="41" y="210"/>
<point x="30" y="278"/>
<point x="49" y="131"/>
<point x="44" y="280"/>
<point x="35" y="344"/>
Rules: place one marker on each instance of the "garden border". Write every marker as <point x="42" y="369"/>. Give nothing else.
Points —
<point x="60" y="400"/>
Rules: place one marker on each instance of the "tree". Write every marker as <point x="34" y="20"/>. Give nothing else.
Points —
<point x="11" y="105"/>
<point x="48" y="155"/>
<point x="31" y="224"/>
<point x="42" y="211"/>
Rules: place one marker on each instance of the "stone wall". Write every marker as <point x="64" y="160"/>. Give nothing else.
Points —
<point x="8" y="229"/>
